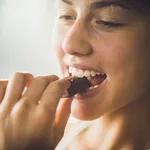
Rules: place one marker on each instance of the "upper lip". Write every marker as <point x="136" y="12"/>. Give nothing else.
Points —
<point x="84" y="67"/>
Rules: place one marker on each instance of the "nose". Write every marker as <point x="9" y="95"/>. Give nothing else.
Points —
<point x="77" y="40"/>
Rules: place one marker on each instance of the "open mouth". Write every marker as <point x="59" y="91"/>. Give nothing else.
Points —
<point x="83" y="80"/>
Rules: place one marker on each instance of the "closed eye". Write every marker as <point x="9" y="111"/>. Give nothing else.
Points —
<point x="67" y="17"/>
<point x="109" y="24"/>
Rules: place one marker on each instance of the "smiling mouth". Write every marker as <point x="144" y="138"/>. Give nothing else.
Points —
<point x="83" y="80"/>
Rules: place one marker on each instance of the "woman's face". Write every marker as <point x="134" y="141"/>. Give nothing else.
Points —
<point x="105" y="36"/>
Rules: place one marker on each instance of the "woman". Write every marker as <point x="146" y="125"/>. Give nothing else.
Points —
<point x="107" y="38"/>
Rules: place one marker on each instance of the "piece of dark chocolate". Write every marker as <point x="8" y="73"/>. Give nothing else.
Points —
<point x="78" y="85"/>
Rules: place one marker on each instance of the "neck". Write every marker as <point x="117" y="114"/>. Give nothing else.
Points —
<point x="126" y="128"/>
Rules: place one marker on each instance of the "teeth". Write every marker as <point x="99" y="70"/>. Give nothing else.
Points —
<point x="98" y="73"/>
<point x="70" y="69"/>
<point x="80" y="73"/>
<point x="87" y="73"/>
<point x="74" y="72"/>
<point x="89" y="78"/>
<point x="93" y="87"/>
<point x="93" y="73"/>
<point x="96" y="86"/>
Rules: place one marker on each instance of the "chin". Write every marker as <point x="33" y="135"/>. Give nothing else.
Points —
<point x="85" y="116"/>
<point x="86" y="111"/>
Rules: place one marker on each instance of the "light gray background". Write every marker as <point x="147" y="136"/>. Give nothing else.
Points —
<point x="25" y="37"/>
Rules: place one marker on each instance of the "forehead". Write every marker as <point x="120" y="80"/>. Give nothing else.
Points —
<point x="89" y="2"/>
<point x="94" y="4"/>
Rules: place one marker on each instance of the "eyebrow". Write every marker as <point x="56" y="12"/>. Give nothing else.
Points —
<point x="103" y="3"/>
<point x="106" y="3"/>
<point x="67" y="2"/>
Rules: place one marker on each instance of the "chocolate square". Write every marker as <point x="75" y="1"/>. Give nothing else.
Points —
<point x="78" y="85"/>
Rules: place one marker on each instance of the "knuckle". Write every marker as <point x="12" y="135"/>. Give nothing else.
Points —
<point x="25" y="103"/>
<point x="20" y="110"/>
<point x="42" y="80"/>
<point x="44" y="112"/>
<point x="18" y="75"/>
<point x="21" y="75"/>
<point x="46" y="79"/>
<point x="54" y="76"/>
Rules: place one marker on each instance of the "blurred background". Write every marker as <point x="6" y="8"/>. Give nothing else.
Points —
<point x="25" y="37"/>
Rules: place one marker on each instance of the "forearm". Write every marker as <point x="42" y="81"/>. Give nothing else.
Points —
<point x="39" y="146"/>
<point x="31" y="146"/>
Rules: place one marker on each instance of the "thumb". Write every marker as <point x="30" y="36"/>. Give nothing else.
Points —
<point x="61" y="118"/>
<point x="63" y="111"/>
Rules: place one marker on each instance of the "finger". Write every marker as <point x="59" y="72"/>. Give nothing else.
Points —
<point x="53" y="93"/>
<point x="61" y="118"/>
<point x="63" y="112"/>
<point x="3" y="85"/>
<point x="3" y="82"/>
<point x="37" y="87"/>
<point x="15" y="88"/>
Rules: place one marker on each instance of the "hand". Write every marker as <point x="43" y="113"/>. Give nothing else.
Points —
<point x="33" y="117"/>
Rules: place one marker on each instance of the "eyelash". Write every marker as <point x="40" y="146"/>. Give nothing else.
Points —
<point x="106" y="24"/>
<point x="67" y="17"/>
<point x="109" y="24"/>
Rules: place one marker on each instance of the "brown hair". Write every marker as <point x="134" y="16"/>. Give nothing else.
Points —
<point x="140" y="6"/>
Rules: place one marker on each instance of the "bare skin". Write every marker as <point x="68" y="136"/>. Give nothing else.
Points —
<point x="115" y="131"/>
<point x="119" y="113"/>
<point x="26" y="123"/>
<point x="115" y="41"/>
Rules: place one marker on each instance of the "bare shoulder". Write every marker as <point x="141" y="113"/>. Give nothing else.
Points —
<point x="69" y="135"/>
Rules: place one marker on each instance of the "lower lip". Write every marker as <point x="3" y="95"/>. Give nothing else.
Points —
<point x="91" y="93"/>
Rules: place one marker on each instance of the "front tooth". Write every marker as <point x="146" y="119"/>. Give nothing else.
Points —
<point x="98" y="73"/>
<point x="80" y="73"/>
<point x="70" y="69"/>
<point x="93" y="73"/>
<point x="89" y="78"/>
<point x="102" y="73"/>
<point x="87" y="73"/>
<point x="91" y="88"/>
<point x="96" y="86"/>
<point x="74" y="72"/>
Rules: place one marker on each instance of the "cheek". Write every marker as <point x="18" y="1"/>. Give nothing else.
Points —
<point x="123" y="52"/>
<point x="114" y="53"/>
<point x="125" y="58"/>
